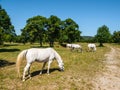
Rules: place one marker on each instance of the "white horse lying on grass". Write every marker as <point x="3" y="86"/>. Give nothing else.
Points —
<point x="41" y="55"/>
<point x="92" y="47"/>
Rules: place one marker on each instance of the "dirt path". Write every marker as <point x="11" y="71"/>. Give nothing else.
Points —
<point x="109" y="79"/>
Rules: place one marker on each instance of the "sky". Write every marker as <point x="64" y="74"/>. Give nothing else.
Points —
<point x="88" y="14"/>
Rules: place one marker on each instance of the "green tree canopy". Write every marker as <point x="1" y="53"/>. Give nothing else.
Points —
<point x="103" y="35"/>
<point x="34" y="29"/>
<point x="53" y="29"/>
<point x="50" y="29"/>
<point x="7" y="32"/>
<point x="116" y="37"/>
<point x="71" y="32"/>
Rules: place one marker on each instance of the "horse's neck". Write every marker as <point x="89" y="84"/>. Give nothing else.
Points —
<point x="58" y="58"/>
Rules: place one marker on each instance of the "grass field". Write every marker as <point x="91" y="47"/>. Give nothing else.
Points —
<point x="80" y="69"/>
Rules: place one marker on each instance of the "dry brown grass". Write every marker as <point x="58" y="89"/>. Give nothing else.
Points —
<point x="80" y="69"/>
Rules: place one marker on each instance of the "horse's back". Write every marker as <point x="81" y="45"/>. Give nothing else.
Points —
<point x="75" y="46"/>
<point x="39" y="54"/>
<point x="68" y="45"/>
<point x="91" y="45"/>
<point x="40" y="49"/>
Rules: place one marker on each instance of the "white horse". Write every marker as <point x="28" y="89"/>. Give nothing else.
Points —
<point x="77" y="47"/>
<point x="68" y="45"/>
<point x="92" y="47"/>
<point x="41" y="55"/>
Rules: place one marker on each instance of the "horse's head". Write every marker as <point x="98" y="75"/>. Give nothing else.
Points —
<point x="61" y="66"/>
<point x="59" y="60"/>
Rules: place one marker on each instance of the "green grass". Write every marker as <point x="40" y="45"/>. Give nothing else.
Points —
<point x="80" y="69"/>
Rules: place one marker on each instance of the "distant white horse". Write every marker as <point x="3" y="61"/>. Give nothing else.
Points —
<point x="68" y="45"/>
<point x="92" y="47"/>
<point x="41" y="55"/>
<point x="77" y="47"/>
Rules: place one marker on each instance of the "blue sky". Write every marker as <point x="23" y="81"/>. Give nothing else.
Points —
<point x="88" y="14"/>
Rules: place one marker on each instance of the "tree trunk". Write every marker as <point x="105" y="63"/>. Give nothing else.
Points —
<point x="40" y="43"/>
<point x="40" y="38"/>
<point x="51" y="44"/>
<point x="1" y="41"/>
<point x="101" y="44"/>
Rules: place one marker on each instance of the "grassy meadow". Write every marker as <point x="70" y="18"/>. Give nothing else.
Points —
<point x="80" y="69"/>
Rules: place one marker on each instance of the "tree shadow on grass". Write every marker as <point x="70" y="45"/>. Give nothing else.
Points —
<point x="9" y="50"/>
<point x="39" y="46"/>
<point x="4" y="63"/>
<point x="35" y="73"/>
<point x="14" y="44"/>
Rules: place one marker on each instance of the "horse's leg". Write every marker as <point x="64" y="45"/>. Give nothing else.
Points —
<point x="92" y="49"/>
<point x="81" y="50"/>
<point x="29" y="75"/>
<point x="89" y="49"/>
<point x="25" y="70"/>
<point x="77" y="49"/>
<point x="49" y="62"/>
<point x="72" y="48"/>
<point x="43" y="67"/>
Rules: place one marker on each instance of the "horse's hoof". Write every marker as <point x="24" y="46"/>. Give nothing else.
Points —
<point x="29" y="76"/>
<point x="40" y="73"/>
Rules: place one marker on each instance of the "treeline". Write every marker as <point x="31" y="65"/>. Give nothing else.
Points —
<point x="53" y="29"/>
<point x="42" y="29"/>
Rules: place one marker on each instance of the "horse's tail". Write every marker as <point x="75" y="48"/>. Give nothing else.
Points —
<point x="21" y="56"/>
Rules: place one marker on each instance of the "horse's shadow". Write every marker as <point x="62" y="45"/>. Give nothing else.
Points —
<point x="4" y="63"/>
<point x="35" y="73"/>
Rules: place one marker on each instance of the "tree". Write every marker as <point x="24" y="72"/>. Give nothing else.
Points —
<point x="1" y="36"/>
<point x="34" y="29"/>
<point x="7" y="32"/>
<point x="53" y="29"/>
<point x="70" y="31"/>
<point x="116" y="37"/>
<point x="24" y="37"/>
<point x="103" y="35"/>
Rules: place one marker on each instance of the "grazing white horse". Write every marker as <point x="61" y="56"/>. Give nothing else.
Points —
<point x="92" y="47"/>
<point x="41" y="55"/>
<point x="68" y="45"/>
<point x="77" y="47"/>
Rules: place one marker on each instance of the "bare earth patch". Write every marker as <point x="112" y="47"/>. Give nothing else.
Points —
<point x="109" y="79"/>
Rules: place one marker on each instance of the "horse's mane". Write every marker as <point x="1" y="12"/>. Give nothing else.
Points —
<point x="57" y="56"/>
